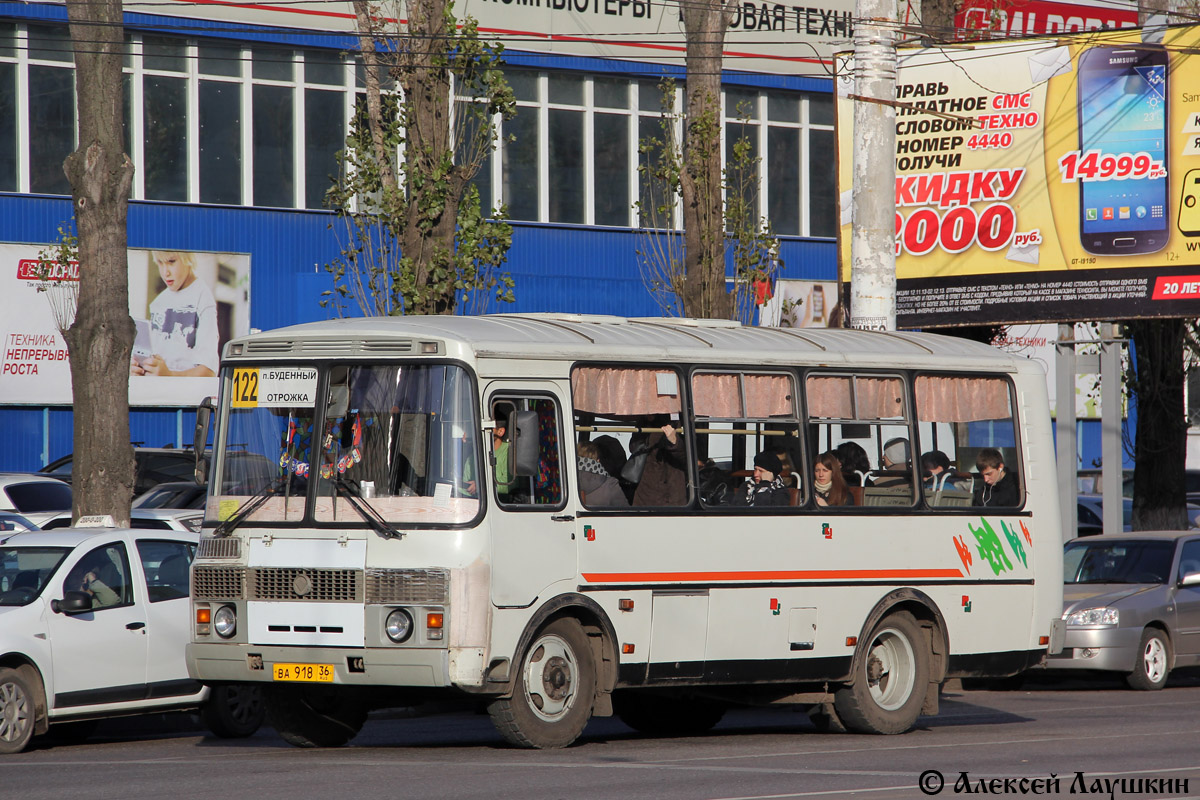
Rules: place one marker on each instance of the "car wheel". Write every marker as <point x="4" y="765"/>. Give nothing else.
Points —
<point x="1153" y="662"/>
<point x="17" y="709"/>
<point x="890" y="680"/>
<point x="555" y="688"/>
<point x="315" y="716"/>
<point x="234" y="711"/>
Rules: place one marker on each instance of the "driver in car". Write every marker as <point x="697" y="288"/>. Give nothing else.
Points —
<point x="102" y="594"/>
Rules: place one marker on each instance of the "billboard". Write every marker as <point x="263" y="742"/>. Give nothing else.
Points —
<point x="185" y="306"/>
<point x="801" y="304"/>
<point x="1043" y="180"/>
<point x="996" y="18"/>
<point x="776" y="38"/>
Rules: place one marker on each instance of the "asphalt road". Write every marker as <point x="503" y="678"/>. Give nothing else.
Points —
<point x="1097" y="728"/>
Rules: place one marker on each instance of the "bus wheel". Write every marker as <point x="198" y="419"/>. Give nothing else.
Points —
<point x="16" y="711"/>
<point x="310" y="716"/>
<point x="892" y="675"/>
<point x="656" y="715"/>
<point x="555" y="687"/>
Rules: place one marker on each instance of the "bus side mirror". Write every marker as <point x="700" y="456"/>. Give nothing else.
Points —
<point x="200" y="438"/>
<point x="524" y="450"/>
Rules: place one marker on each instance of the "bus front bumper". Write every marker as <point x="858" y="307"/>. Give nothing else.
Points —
<point x="245" y="663"/>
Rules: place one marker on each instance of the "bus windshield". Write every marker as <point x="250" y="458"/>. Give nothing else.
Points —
<point x="399" y="438"/>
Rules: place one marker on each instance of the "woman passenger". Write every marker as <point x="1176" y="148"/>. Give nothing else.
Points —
<point x="829" y="486"/>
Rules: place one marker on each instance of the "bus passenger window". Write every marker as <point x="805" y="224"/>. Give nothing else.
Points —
<point x="640" y="409"/>
<point x="967" y="431"/>
<point x="864" y="420"/>
<point x="747" y="440"/>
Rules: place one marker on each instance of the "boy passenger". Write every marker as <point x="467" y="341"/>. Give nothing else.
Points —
<point x="999" y="487"/>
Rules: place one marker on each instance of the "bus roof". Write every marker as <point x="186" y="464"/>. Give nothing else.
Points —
<point x="581" y="336"/>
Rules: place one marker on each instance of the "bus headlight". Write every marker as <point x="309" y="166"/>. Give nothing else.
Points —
<point x="225" y="622"/>
<point x="398" y="626"/>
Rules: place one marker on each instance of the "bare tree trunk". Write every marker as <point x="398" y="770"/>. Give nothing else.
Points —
<point x="937" y="18"/>
<point x="100" y="340"/>
<point x="367" y="20"/>
<point x="434" y="183"/>
<point x="1159" y="492"/>
<point x="704" y="292"/>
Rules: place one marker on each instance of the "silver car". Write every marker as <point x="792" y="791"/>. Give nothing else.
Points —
<point x="1131" y="602"/>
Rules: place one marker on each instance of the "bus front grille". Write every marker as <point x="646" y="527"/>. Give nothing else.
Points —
<point x="407" y="585"/>
<point x="296" y="583"/>
<point x="218" y="583"/>
<point x="213" y="547"/>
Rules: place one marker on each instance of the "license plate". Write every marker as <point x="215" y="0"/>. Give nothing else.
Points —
<point x="308" y="673"/>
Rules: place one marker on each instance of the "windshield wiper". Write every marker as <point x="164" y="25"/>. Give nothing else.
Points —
<point x="251" y="505"/>
<point x="365" y="510"/>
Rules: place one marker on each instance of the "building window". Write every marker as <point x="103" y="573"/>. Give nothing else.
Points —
<point x="521" y="154"/>
<point x="222" y="122"/>
<point x="273" y="131"/>
<point x="8" y="127"/>
<point x="220" y="142"/>
<point x="52" y="115"/>
<point x="165" y="146"/>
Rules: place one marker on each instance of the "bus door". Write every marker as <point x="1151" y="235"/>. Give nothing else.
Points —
<point x="531" y="517"/>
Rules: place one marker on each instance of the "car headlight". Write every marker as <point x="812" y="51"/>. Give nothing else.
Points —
<point x="225" y="622"/>
<point x="398" y="626"/>
<point x="1094" y="616"/>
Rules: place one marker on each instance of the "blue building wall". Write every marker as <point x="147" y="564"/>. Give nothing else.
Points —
<point x="556" y="268"/>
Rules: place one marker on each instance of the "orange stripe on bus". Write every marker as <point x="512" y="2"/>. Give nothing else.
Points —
<point x="789" y="575"/>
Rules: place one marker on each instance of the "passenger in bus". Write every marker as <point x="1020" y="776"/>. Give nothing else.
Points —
<point x="766" y="488"/>
<point x="504" y="483"/>
<point x="664" y="479"/>
<point x="896" y="458"/>
<point x="829" y="485"/>
<point x="597" y="487"/>
<point x="613" y="459"/>
<point x="999" y="487"/>
<point x="854" y="461"/>
<point x="935" y="467"/>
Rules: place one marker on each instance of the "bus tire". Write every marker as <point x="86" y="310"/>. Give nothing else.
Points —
<point x="1153" y="663"/>
<point x="890" y="679"/>
<point x="307" y="716"/>
<point x="17" y="711"/>
<point x="554" y="690"/>
<point x="659" y="715"/>
<point x="233" y="710"/>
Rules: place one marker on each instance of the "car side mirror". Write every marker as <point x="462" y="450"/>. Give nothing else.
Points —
<point x="524" y="451"/>
<point x="73" y="602"/>
<point x="200" y="439"/>
<point x="1190" y="579"/>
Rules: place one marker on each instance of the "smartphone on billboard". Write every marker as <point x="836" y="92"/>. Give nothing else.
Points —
<point x="1123" y="205"/>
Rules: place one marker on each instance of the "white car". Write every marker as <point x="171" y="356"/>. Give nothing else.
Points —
<point x="35" y="497"/>
<point x="172" y="519"/>
<point x="93" y="623"/>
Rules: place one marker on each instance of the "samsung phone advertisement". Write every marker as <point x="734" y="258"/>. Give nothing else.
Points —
<point x="185" y="305"/>
<point x="1044" y="180"/>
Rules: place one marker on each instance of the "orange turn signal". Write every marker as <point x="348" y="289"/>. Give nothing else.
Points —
<point x="204" y="615"/>
<point x="433" y="620"/>
<point x="851" y="641"/>
<point x="627" y="649"/>
<point x="1044" y="640"/>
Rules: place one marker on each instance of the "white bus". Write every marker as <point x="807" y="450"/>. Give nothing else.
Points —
<point x="404" y="520"/>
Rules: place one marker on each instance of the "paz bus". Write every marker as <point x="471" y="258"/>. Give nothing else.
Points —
<point x="422" y="531"/>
